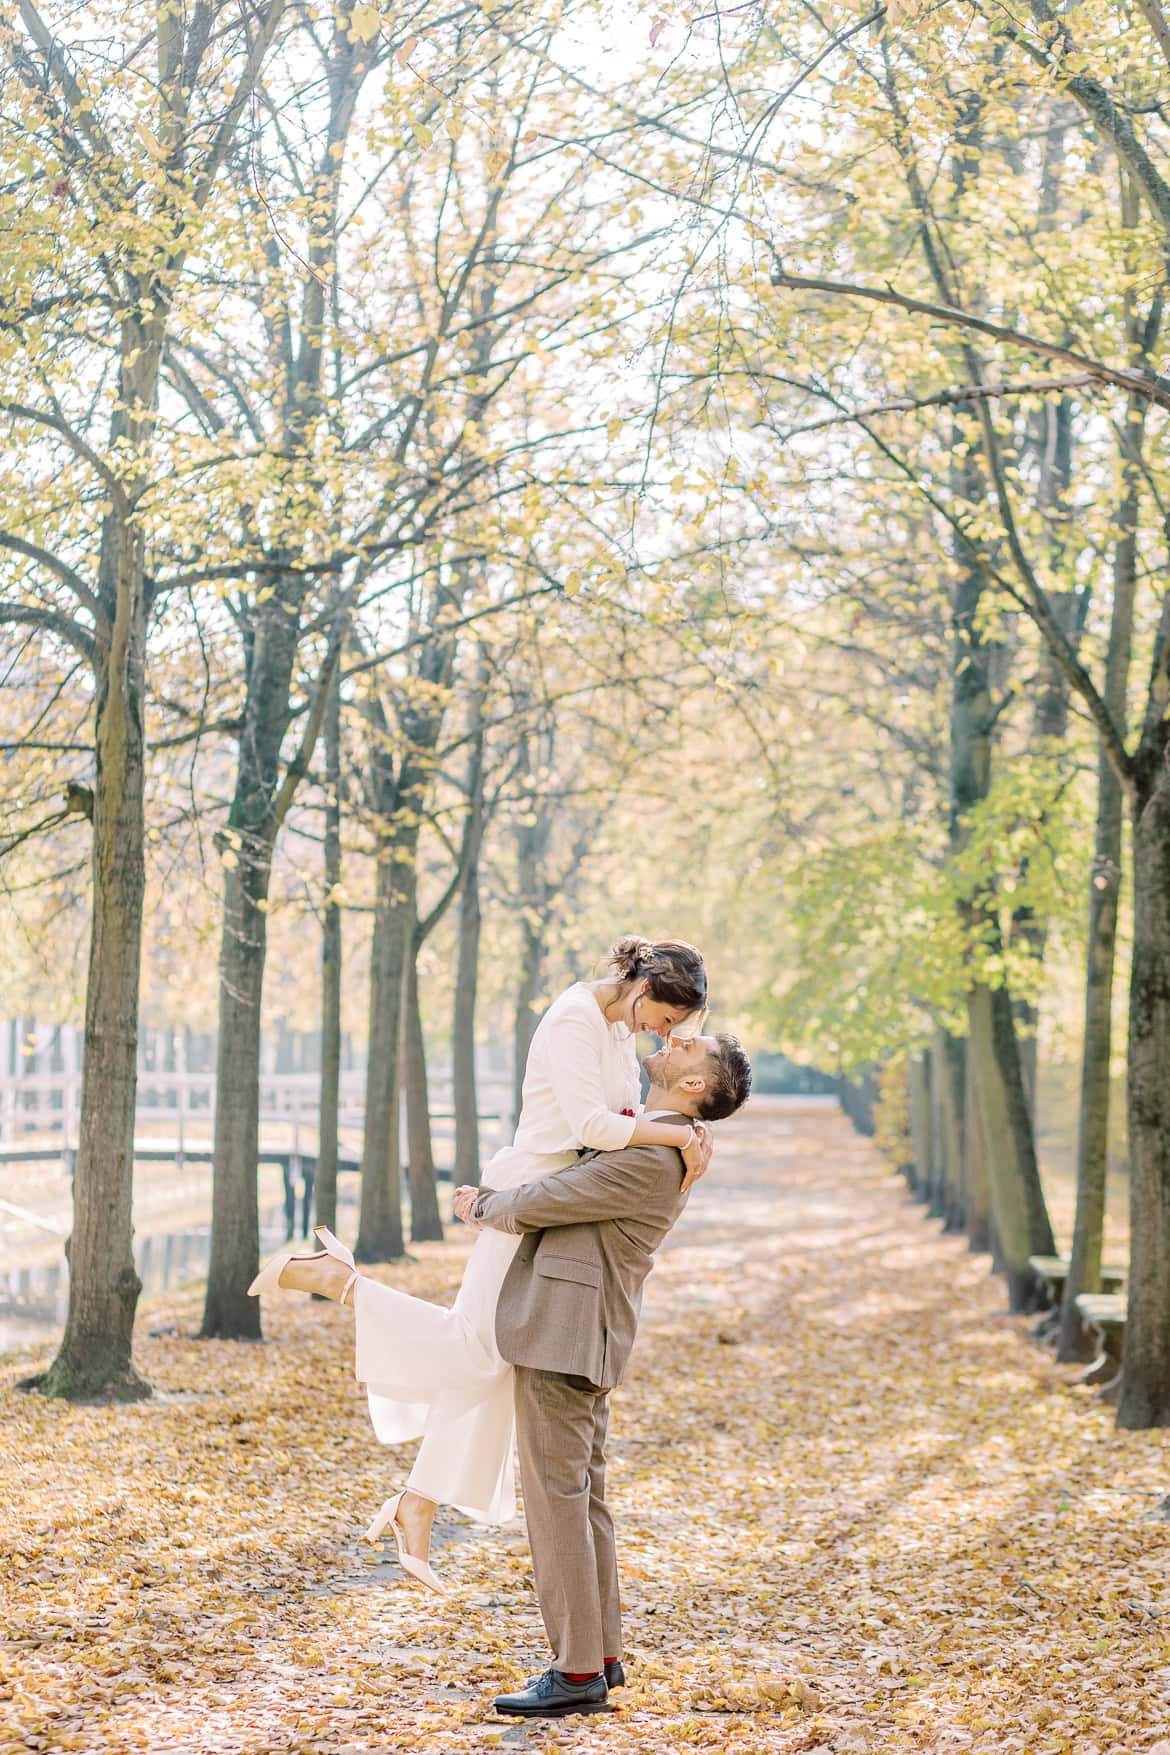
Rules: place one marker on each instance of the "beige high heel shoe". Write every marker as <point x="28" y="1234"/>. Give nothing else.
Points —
<point x="268" y="1279"/>
<point x="421" y="1571"/>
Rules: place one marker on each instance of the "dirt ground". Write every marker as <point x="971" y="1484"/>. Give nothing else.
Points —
<point x="858" y="1510"/>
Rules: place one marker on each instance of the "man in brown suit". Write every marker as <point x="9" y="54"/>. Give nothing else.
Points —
<point x="566" y="1319"/>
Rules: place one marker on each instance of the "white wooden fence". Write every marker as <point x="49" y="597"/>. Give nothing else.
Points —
<point x="40" y="1099"/>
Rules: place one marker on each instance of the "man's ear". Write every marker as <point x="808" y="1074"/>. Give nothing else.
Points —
<point x="694" y="1084"/>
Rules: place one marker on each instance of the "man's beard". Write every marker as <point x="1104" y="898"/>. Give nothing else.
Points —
<point x="653" y="1063"/>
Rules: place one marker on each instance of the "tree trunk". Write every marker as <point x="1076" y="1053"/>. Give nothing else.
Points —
<point x="526" y="1015"/>
<point x="1017" y="1199"/>
<point x="939" y="1142"/>
<point x="1007" y="1143"/>
<point x="857" y="1095"/>
<point x="272" y="632"/>
<point x="1084" y="1274"/>
<point x="425" y="1224"/>
<point x="910" y="1167"/>
<point x="951" y="1060"/>
<point x="977" y="1218"/>
<point x="920" y="1071"/>
<point x="94" y="1359"/>
<point x="380" y="1236"/>
<point x="247" y="844"/>
<point x="331" y="953"/>
<point x="466" y="1097"/>
<point x="1049" y="731"/>
<point x="228" y="1312"/>
<point x="399" y="800"/>
<point x="1145" y="1383"/>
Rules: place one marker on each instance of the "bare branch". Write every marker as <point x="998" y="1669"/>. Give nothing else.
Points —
<point x="241" y="96"/>
<point x="54" y="564"/>
<point x="942" y="399"/>
<point x="80" y="110"/>
<point x="42" y="418"/>
<point x="1149" y="385"/>
<point x="55" y="621"/>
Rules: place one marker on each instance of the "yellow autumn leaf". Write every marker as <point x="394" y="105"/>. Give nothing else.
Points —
<point x="364" y="24"/>
<point x="856" y="1404"/>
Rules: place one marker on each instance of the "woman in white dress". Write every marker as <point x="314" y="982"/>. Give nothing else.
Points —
<point x="435" y="1372"/>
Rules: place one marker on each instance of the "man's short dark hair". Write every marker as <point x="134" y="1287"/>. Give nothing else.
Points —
<point x="731" y="1080"/>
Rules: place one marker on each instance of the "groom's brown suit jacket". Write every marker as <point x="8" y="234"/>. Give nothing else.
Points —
<point x="572" y="1296"/>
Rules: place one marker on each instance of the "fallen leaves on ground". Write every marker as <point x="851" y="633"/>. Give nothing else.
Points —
<point x="859" y="1511"/>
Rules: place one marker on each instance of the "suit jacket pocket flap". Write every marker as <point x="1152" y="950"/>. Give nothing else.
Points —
<point x="563" y="1267"/>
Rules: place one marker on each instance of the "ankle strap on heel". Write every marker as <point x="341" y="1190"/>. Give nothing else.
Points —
<point x="347" y="1289"/>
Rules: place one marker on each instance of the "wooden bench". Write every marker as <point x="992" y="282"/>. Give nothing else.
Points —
<point x="1103" y="1314"/>
<point x="1053" y="1270"/>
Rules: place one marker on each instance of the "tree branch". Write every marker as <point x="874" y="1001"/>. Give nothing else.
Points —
<point x="1059" y="644"/>
<point x="40" y="417"/>
<point x="1156" y="19"/>
<point x="80" y="111"/>
<point x="942" y="399"/>
<point x="1149" y="385"/>
<point x="241" y="96"/>
<point x="71" y="811"/>
<point x="1096" y="102"/>
<point x="31" y="615"/>
<point x="450" y="627"/>
<point x="54" y="564"/>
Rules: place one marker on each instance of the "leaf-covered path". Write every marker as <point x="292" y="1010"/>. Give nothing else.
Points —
<point x="858" y="1510"/>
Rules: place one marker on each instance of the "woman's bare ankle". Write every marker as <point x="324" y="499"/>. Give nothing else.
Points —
<point x="415" y="1516"/>
<point x="416" y="1513"/>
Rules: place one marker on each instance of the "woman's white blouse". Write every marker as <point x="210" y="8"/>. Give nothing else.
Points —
<point x="581" y="1074"/>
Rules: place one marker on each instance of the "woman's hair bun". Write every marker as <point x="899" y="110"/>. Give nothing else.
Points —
<point x="674" y="969"/>
<point x="630" y="956"/>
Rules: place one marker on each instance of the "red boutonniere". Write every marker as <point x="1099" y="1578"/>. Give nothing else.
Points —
<point x="629" y="1112"/>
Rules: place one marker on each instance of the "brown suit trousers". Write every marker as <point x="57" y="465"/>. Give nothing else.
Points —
<point x="560" y="1427"/>
<point x="566" y="1319"/>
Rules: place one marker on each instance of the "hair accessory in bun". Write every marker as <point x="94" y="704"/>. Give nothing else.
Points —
<point x="673" y="968"/>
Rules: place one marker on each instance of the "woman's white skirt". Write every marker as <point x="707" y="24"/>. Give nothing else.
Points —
<point x="437" y="1372"/>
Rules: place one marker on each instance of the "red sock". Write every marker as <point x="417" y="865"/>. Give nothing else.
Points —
<point x="611" y="1660"/>
<point x="580" y="1675"/>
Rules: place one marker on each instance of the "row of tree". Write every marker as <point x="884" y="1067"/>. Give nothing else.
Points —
<point x="939" y="345"/>
<point x="830" y="604"/>
<point x="300" y="308"/>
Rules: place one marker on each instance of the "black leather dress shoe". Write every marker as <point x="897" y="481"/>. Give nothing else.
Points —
<point x="615" y="1676"/>
<point x="553" y="1695"/>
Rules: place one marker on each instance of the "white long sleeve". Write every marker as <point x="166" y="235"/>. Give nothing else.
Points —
<point x="575" y="1071"/>
<point x="581" y="1074"/>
